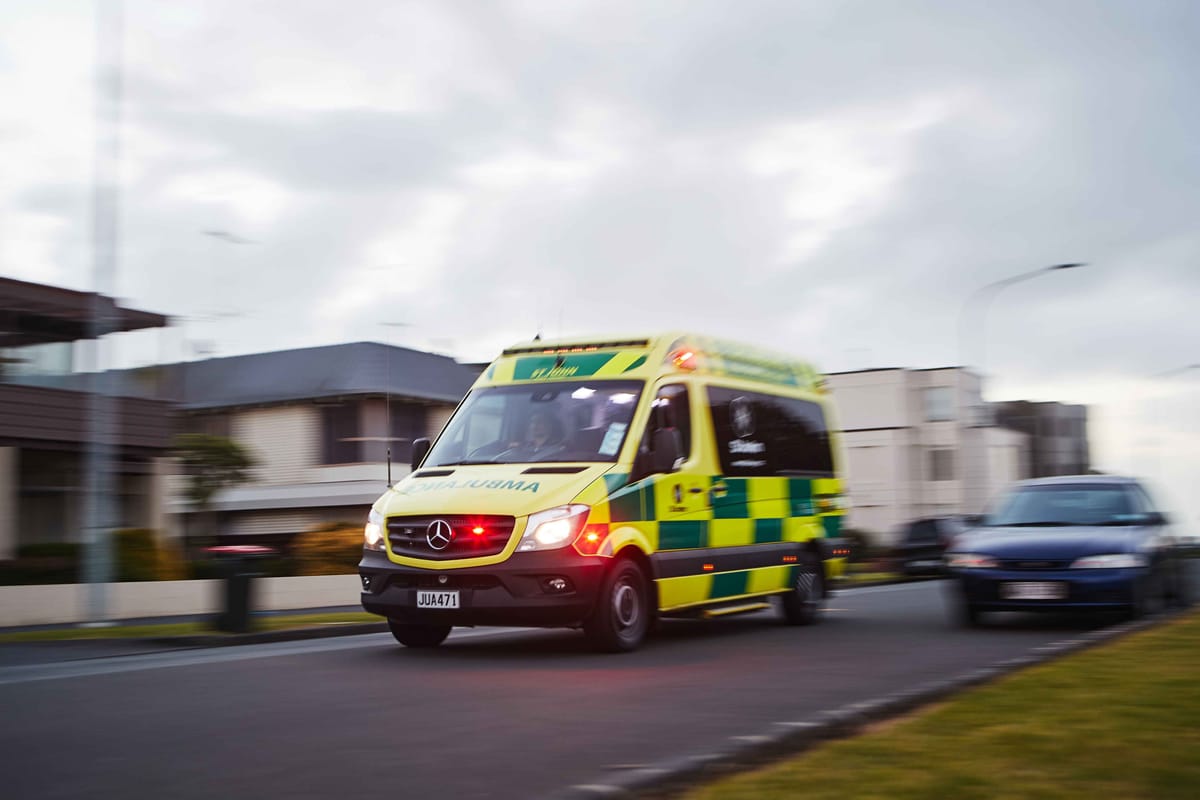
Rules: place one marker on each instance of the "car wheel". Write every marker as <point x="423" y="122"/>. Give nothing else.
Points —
<point x="1149" y="595"/>
<point x="802" y="605"/>
<point x="622" y="616"/>
<point x="969" y="615"/>
<point x="1181" y="594"/>
<point x="414" y="635"/>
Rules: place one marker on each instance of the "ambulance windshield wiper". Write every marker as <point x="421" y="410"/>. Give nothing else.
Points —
<point x="464" y="463"/>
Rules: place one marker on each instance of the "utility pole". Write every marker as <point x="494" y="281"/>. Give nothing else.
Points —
<point x="99" y="500"/>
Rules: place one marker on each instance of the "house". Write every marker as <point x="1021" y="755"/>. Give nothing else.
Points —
<point x="47" y="423"/>
<point x="318" y="422"/>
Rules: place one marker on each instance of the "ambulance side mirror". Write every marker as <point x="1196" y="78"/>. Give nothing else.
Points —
<point x="420" y="449"/>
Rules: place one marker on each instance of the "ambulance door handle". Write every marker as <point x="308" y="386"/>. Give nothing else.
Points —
<point x="719" y="490"/>
<point x="696" y="490"/>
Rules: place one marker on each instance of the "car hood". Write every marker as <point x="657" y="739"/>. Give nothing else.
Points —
<point x="508" y="489"/>
<point x="1068" y="542"/>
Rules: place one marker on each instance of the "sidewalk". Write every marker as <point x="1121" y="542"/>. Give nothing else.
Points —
<point x="138" y="636"/>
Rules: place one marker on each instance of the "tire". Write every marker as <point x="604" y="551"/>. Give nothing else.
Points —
<point x="413" y="635"/>
<point x="623" y="614"/>
<point x="803" y="604"/>
<point x="969" y="615"/>
<point x="1149" y="596"/>
<point x="1182" y="596"/>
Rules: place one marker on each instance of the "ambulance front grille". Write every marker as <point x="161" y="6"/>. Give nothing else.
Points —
<point x="450" y="536"/>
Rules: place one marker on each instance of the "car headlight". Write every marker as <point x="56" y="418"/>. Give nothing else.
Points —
<point x="554" y="527"/>
<point x="970" y="561"/>
<point x="1110" y="561"/>
<point x="373" y="532"/>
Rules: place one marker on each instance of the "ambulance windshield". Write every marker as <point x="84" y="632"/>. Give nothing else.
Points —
<point x="544" y="422"/>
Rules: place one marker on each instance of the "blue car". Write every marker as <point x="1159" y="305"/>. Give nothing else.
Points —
<point x="1089" y="542"/>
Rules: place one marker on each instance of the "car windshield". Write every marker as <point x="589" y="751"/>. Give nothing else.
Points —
<point x="569" y="421"/>
<point x="1065" y="505"/>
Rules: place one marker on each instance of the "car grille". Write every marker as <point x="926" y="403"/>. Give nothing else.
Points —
<point x="1034" y="563"/>
<point x="412" y="536"/>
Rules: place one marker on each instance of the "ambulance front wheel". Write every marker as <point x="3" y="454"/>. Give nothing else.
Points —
<point x="412" y="635"/>
<point x="802" y="605"/>
<point x="623" y="614"/>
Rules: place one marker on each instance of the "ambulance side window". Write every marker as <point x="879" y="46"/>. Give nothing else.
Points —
<point x="759" y="434"/>
<point x="670" y="410"/>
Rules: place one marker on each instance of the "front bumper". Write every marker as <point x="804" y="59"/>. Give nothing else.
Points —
<point x="1085" y="588"/>
<point x="514" y="592"/>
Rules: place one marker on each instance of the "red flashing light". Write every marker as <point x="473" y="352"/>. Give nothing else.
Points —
<point x="789" y="559"/>
<point x="589" y="541"/>
<point x="478" y="530"/>
<point x="684" y="359"/>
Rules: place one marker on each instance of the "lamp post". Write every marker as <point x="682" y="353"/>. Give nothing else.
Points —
<point x="974" y="309"/>
<point x="979" y="301"/>
<point x="99" y="509"/>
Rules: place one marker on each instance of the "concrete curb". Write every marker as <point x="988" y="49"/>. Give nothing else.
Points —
<point x="265" y="637"/>
<point x="787" y="739"/>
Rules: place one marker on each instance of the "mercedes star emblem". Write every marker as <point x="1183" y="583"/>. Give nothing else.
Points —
<point x="439" y="534"/>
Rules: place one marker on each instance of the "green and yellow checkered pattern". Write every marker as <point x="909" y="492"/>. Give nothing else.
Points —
<point x="743" y="512"/>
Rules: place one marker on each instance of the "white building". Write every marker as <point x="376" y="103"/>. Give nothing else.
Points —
<point x="920" y="443"/>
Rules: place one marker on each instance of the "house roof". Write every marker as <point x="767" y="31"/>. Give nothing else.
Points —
<point x="34" y="313"/>
<point x="312" y="373"/>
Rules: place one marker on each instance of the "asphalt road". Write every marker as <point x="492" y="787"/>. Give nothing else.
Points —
<point x="492" y="713"/>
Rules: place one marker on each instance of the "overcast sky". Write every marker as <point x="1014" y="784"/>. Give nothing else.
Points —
<point x="830" y="179"/>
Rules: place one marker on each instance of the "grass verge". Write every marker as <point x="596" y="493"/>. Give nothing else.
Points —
<point x="1115" y="721"/>
<point x="261" y="623"/>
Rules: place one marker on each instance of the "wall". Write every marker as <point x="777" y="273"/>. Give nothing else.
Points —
<point x="284" y="440"/>
<point x="67" y="603"/>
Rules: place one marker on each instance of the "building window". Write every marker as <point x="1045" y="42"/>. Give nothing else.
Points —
<point x="941" y="465"/>
<point x="340" y="438"/>
<point x="939" y="404"/>
<point x="407" y="424"/>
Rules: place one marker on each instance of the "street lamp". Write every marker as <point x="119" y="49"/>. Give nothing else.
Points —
<point x="980" y="300"/>
<point x="978" y="303"/>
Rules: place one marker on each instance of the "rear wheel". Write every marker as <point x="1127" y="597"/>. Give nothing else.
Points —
<point x="1182" y="594"/>
<point x="802" y="605"/>
<point x="623" y="614"/>
<point x="969" y="615"/>
<point x="1149" y="595"/>
<point x="414" y="635"/>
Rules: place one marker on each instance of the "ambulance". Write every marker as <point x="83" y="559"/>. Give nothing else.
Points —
<point x="602" y="484"/>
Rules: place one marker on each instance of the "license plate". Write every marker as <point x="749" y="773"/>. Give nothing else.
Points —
<point x="1034" y="590"/>
<point x="426" y="599"/>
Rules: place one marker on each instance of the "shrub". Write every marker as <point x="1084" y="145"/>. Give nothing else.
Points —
<point x="141" y="557"/>
<point x="38" y="570"/>
<point x="67" y="550"/>
<point x="137" y="556"/>
<point x="329" y="550"/>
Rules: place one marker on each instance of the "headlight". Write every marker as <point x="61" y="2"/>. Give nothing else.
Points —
<point x="970" y="561"/>
<point x="1110" y="561"/>
<point x="373" y="532"/>
<point x="554" y="527"/>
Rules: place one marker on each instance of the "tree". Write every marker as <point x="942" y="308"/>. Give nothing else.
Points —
<point x="212" y="463"/>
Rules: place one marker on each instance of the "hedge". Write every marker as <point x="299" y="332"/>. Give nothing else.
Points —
<point x="330" y="550"/>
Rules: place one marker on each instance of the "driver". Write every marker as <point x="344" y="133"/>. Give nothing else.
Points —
<point x="543" y="437"/>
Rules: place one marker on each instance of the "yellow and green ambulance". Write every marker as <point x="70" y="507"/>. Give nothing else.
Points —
<point x="603" y="483"/>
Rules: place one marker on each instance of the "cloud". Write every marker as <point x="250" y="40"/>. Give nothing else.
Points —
<point x="829" y="179"/>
